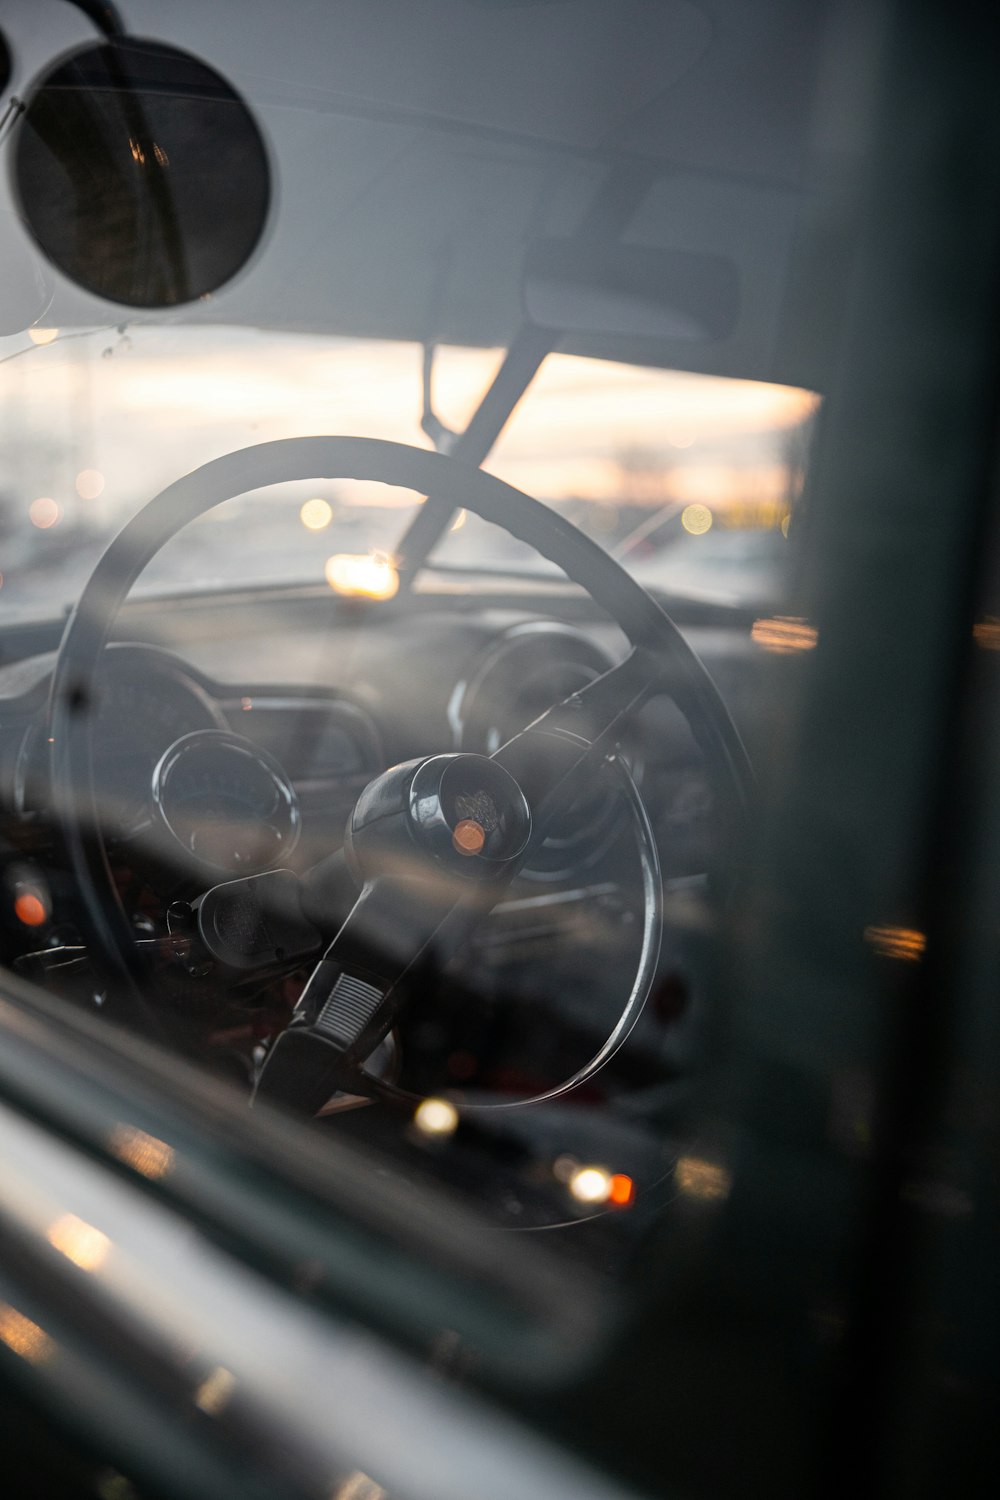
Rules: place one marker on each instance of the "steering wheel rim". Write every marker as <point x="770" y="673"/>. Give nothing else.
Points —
<point x="646" y="625"/>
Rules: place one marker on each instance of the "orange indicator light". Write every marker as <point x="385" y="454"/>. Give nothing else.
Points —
<point x="30" y="909"/>
<point x="469" y="836"/>
<point x="622" y="1190"/>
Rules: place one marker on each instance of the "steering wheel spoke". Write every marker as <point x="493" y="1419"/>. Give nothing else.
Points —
<point x="598" y="711"/>
<point x="355" y="993"/>
<point x="554" y="756"/>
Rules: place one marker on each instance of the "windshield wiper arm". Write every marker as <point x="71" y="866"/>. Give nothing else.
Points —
<point x="609" y="213"/>
<point x="526" y="353"/>
<point x="646" y="528"/>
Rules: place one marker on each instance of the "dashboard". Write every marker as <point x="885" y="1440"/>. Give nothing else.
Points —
<point x="233" y="734"/>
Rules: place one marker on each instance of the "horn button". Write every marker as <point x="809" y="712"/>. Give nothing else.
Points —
<point x="465" y="810"/>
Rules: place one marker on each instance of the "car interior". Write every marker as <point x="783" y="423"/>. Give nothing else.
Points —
<point x="464" y="731"/>
<point x="578" y="964"/>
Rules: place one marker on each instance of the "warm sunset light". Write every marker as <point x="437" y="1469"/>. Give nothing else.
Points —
<point x="369" y="575"/>
<point x="905" y="943"/>
<point x="316" y="514"/>
<point x="44" y="512"/>
<point x="359" y="1486"/>
<point x="89" y="484"/>
<point x="760" y="515"/>
<point x="146" y="1154"/>
<point x="698" y="1178"/>
<point x="215" y="1390"/>
<point x="80" y="1242"/>
<point x="986" y="633"/>
<point x="784" y="635"/>
<point x="22" y="1336"/>
<point x="586" y="430"/>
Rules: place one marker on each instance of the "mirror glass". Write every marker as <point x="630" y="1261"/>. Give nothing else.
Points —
<point x="141" y="174"/>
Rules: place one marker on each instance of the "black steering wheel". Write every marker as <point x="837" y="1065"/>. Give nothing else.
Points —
<point x="431" y="841"/>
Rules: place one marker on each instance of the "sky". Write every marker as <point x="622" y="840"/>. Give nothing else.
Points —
<point x="143" y="406"/>
<point x="93" y="424"/>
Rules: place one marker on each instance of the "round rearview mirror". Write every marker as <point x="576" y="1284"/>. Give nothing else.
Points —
<point x="141" y="174"/>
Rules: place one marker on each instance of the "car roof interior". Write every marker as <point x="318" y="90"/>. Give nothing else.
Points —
<point x="448" y="153"/>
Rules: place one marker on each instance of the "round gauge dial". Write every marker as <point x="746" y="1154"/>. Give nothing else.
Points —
<point x="525" y="670"/>
<point x="143" y="701"/>
<point x="228" y="804"/>
<point x="135" y="719"/>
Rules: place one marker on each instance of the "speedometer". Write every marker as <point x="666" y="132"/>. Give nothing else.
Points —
<point x="227" y="803"/>
<point x="137" y="715"/>
<point x="143" y="701"/>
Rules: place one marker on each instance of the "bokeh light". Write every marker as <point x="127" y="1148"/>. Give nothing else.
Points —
<point x="436" y="1117"/>
<point x="43" y="335"/>
<point x="368" y="575"/>
<point x="622" y="1191"/>
<point x="590" y="1185"/>
<point x="44" y="512"/>
<point x="698" y="1178"/>
<point x="143" y="1152"/>
<point x="697" y="519"/>
<point x="316" y="514"/>
<point x="897" y="942"/>
<point x="213" y="1394"/>
<point x="89" y="484"/>
<point x="23" y="1337"/>
<point x="80" y="1242"/>
<point x="784" y="634"/>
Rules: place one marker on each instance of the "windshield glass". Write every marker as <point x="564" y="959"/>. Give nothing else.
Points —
<point x="688" y="479"/>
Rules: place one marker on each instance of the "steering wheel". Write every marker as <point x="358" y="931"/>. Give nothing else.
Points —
<point x="434" y="842"/>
